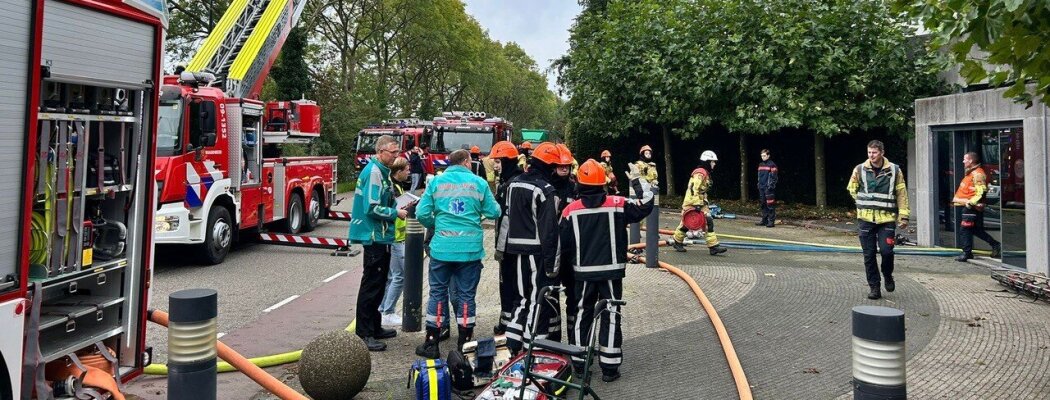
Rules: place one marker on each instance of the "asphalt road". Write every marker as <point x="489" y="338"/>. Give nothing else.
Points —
<point x="253" y="278"/>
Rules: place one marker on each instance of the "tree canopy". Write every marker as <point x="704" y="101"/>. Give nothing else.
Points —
<point x="751" y="67"/>
<point x="1010" y="38"/>
<point x="368" y="60"/>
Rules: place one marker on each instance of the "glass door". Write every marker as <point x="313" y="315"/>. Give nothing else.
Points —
<point x="1001" y="157"/>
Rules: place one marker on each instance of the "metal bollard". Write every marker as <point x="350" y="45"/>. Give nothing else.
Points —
<point x="192" y="328"/>
<point x="635" y="235"/>
<point x="652" y="238"/>
<point x="878" y="354"/>
<point x="412" y="304"/>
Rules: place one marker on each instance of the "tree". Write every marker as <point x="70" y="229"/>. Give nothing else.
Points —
<point x="1011" y="37"/>
<point x="825" y="67"/>
<point x="290" y="73"/>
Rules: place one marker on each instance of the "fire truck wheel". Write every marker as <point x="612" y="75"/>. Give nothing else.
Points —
<point x="293" y="223"/>
<point x="313" y="212"/>
<point x="219" y="237"/>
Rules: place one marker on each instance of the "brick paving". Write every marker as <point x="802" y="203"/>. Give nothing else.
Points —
<point x="788" y="314"/>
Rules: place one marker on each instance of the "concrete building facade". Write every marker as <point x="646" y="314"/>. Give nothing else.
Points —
<point x="1012" y="141"/>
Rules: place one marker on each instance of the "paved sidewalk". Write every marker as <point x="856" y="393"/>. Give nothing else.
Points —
<point x="788" y="314"/>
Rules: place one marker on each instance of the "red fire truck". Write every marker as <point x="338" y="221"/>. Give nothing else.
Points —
<point x="411" y="132"/>
<point x="78" y="93"/>
<point x="461" y="130"/>
<point x="219" y="168"/>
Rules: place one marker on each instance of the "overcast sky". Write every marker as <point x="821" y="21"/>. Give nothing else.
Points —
<point x="541" y="27"/>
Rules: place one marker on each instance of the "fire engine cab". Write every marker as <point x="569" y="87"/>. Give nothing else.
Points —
<point x="461" y="130"/>
<point x="219" y="163"/>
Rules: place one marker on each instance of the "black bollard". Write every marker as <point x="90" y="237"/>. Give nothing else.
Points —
<point x="652" y="237"/>
<point x="878" y="354"/>
<point x="192" y="327"/>
<point x="412" y="305"/>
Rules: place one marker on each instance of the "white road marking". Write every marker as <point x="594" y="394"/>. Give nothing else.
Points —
<point x="283" y="302"/>
<point x="331" y="278"/>
<point x="220" y="335"/>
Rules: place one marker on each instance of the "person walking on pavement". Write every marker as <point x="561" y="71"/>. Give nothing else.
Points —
<point x="416" y="168"/>
<point x="700" y="183"/>
<point x="611" y="186"/>
<point x="505" y="163"/>
<point x="453" y="206"/>
<point x="532" y="243"/>
<point x="971" y="196"/>
<point x="767" y="184"/>
<point x="396" y="279"/>
<point x="599" y="261"/>
<point x="565" y="187"/>
<point x="476" y="166"/>
<point x="878" y="187"/>
<point x="373" y="215"/>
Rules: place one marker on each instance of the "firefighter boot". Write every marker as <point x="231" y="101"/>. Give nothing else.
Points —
<point x="717" y="249"/>
<point x="446" y="333"/>
<point x="678" y="246"/>
<point x="465" y="335"/>
<point x="890" y="284"/>
<point x="875" y="293"/>
<point x="429" y="348"/>
<point x="964" y="256"/>
<point x="997" y="250"/>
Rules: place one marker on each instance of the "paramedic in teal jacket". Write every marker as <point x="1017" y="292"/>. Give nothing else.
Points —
<point x="453" y="205"/>
<point x="372" y="226"/>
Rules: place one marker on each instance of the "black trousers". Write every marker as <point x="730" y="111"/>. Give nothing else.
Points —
<point x="508" y="289"/>
<point x="972" y="224"/>
<point x="877" y="238"/>
<point x="769" y="209"/>
<point x="373" y="283"/>
<point x="528" y="277"/>
<point x="568" y="281"/>
<point x="610" y="335"/>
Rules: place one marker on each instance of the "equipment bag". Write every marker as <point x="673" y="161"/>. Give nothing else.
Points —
<point x="433" y="380"/>
<point x="460" y="371"/>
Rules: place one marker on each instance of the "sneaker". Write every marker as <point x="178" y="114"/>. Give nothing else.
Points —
<point x="384" y="333"/>
<point x="997" y="250"/>
<point x="678" y="246"/>
<point x="373" y="344"/>
<point x="391" y="320"/>
<point x="718" y="249"/>
<point x="963" y="257"/>
<point x="875" y="293"/>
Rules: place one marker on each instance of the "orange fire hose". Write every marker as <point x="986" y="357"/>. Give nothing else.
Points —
<point x="242" y="364"/>
<point x="742" y="387"/>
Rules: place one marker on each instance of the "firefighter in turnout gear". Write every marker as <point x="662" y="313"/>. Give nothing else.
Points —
<point x="611" y="186"/>
<point x="647" y="167"/>
<point x="565" y="187"/>
<point x="524" y="154"/>
<point x="531" y="244"/>
<point x="505" y="163"/>
<point x="476" y="166"/>
<point x="599" y="261"/>
<point x="879" y="189"/>
<point x="767" y="185"/>
<point x="970" y="197"/>
<point x="696" y="199"/>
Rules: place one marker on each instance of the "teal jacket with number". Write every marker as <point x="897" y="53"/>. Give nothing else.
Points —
<point x="374" y="210"/>
<point x="453" y="206"/>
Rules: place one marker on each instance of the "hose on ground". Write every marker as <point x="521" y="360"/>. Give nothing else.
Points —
<point x="792" y="245"/>
<point x="742" y="387"/>
<point x="257" y="374"/>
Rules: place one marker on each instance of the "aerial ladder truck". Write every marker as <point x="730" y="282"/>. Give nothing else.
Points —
<point x="219" y="169"/>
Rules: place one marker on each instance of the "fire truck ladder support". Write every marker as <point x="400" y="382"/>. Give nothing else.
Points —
<point x="339" y="247"/>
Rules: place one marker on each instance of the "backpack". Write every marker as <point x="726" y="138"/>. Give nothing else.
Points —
<point x="433" y="381"/>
